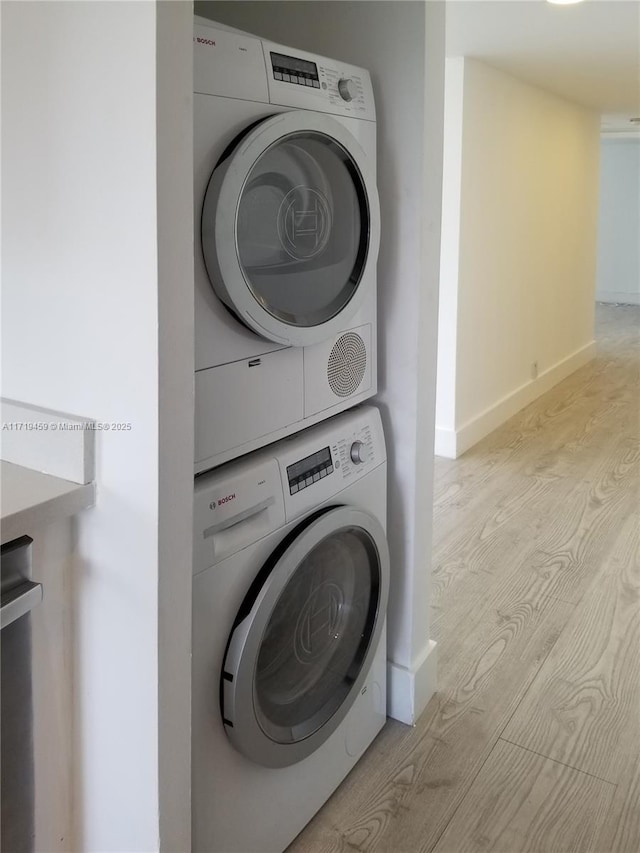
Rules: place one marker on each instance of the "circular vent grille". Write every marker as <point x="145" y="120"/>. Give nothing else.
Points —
<point x="347" y="364"/>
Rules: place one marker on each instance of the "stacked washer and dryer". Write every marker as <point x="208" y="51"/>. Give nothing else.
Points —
<point x="291" y="564"/>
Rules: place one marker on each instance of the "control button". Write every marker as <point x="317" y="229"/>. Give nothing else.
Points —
<point x="316" y="477"/>
<point x="359" y="453"/>
<point x="323" y="473"/>
<point x="294" y="488"/>
<point x="347" y="89"/>
<point x="294" y="78"/>
<point x="337" y="464"/>
<point x="286" y="78"/>
<point x="309" y="480"/>
<point x="324" y="85"/>
<point x="308" y="81"/>
<point x="277" y="75"/>
<point x="316" y="84"/>
<point x="301" y="485"/>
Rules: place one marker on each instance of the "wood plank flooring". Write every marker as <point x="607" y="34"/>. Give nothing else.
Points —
<point x="523" y="801"/>
<point x="533" y="740"/>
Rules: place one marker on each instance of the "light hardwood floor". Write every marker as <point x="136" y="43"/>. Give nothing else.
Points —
<point x="533" y="740"/>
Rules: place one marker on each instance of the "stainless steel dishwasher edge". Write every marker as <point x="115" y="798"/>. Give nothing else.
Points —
<point x="18" y="596"/>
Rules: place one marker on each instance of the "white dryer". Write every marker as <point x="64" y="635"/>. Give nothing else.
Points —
<point x="287" y="232"/>
<point x="291" y="577"/>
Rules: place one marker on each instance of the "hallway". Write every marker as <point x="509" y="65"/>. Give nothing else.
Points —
<point x="533" y="740"/>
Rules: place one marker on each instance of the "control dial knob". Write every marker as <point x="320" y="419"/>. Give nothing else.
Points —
<point x="347" y="89"/>
<point x="359" y="453"/>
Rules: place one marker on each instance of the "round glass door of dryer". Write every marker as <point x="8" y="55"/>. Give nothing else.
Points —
<point x="305" y="638"/>
<point x="302" y="229"/>
<point x="290" y="225"/>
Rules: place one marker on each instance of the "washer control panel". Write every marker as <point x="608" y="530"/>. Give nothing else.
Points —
<point x="359" y="453"/>
<point x="355" y="451"/>
<point x="310" y="470"/>
<point x="349" y="455"/>
<point x="319" y="462"/>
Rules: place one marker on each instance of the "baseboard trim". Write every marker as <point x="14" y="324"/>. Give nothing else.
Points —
<point x="452" y="444"/>
<point x="445" y="443"/>
<point x="619" y="298"/>
<point x="409" y="690"/>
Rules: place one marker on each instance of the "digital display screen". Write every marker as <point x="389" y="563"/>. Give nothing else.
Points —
<point x="291" y="64"/>
<point x="307" y="466"/>
<point x="310" y="470"/>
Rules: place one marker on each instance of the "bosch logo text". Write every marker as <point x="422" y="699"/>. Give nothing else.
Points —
<point x="205" y="41"/>
<point x="226" y="500"/>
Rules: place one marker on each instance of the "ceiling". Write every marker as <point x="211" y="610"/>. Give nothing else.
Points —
<point x="588" y="53"/>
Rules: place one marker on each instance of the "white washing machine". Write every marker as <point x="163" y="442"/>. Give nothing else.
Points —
<point x="287" y="232"/>
<point x="291" y="578"/>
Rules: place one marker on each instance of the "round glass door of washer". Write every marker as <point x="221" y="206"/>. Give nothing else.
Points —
<point x="308" y="640"/>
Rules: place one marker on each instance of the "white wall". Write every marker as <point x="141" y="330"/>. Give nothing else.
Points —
<point x="449" y="259"/>
<point x="527" y="183"/>
<point x="175" y="380"/>
<point x="83" y="332"/>
<point x="402" y="44"/>
<point x="619" y="221"/>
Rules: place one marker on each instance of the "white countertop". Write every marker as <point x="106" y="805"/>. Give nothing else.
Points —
<point x="30" y="499"/>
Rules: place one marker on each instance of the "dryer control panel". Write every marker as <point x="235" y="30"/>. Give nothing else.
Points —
<point x="307" y="81"/>
<point x="234" y="64"/>
<point x="299" y="72"/>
